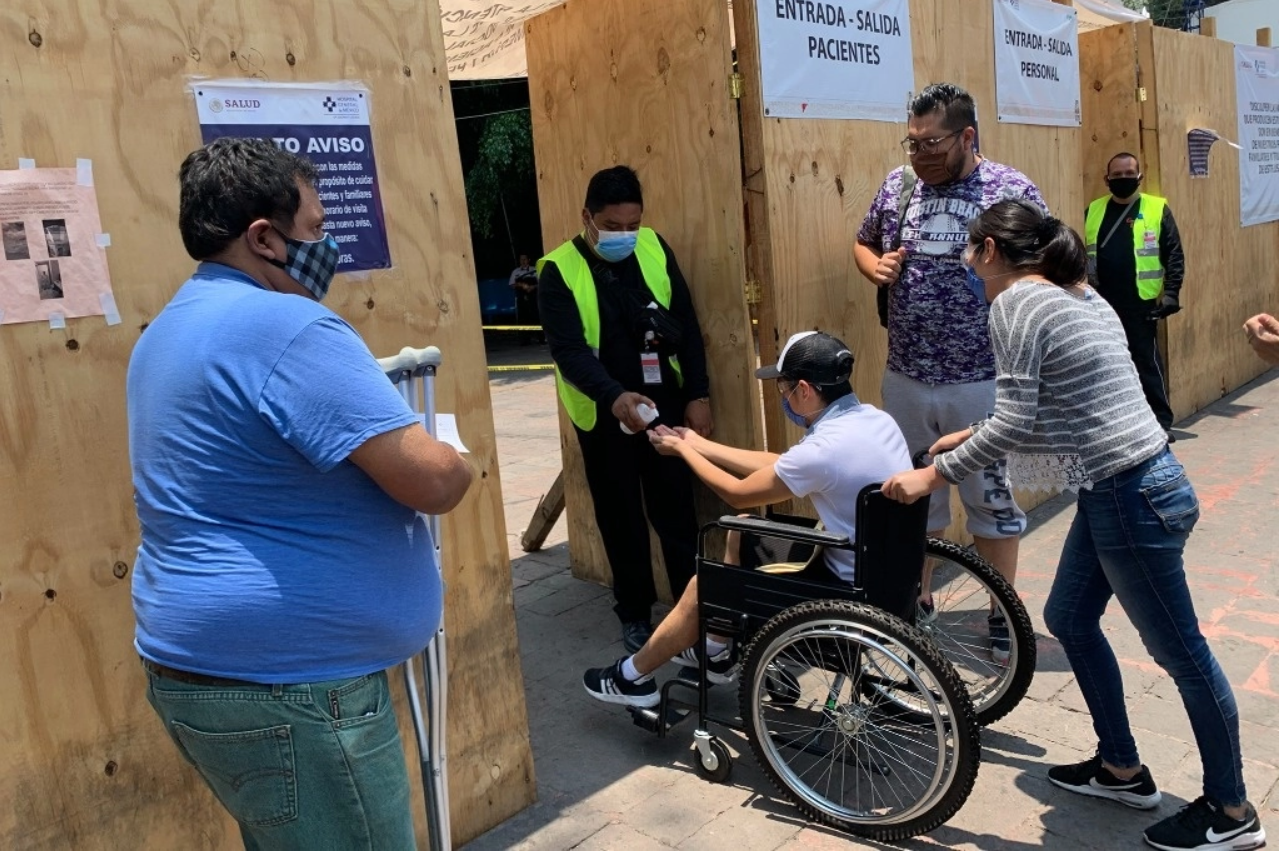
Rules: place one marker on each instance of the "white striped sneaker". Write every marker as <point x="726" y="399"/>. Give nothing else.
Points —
<point x="721" y="669"/>
<point x="608" y="685"/>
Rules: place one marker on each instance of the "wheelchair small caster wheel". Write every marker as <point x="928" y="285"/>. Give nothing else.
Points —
<point x="717" y="766"/>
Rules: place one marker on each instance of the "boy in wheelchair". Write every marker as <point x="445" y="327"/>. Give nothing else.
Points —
<point x="847" y="445"/>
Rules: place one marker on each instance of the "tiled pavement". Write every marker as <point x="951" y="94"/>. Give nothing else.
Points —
<point x="605" y="784"/>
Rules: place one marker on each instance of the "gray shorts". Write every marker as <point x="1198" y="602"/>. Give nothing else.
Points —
<point x="926" y="412"/>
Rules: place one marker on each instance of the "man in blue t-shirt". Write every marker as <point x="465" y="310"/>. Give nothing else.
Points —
<point x="278" y="477"/>
<point x="941" y="368"/>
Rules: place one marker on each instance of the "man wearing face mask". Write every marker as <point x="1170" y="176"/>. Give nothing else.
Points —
<point x="1137" y="265"/>
<point x="277" y="478"/>
<point x="941" y="370"/>
<point x="625" y="340"/>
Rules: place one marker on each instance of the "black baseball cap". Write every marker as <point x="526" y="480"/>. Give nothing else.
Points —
<point x="814" y="357"/>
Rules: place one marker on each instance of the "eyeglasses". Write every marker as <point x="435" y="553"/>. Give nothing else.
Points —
<point x="926" y="146"/>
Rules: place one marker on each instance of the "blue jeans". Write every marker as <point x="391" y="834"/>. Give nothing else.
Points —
<point x="300" y="767"/>
<point x="1127" y="541"/>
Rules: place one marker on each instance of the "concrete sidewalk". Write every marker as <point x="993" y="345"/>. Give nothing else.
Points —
<point x="605" y="784"/>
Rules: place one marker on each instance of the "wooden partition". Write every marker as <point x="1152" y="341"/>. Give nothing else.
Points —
<point x="86" y="764"/>
<point x="645" y="83"/>
<point x="810" y="182"/>
<point x="1144" y="88"/>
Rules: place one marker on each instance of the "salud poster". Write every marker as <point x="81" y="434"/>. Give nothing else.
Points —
<point x="1036" y="63"/>
<point x="53" y="265"/>
<point x="328" y="123"/>
<point x="1257" y="92"/>
<point x="836" y="60"/>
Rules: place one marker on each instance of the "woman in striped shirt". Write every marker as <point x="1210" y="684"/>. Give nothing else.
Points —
<point x="1070" y="413"/>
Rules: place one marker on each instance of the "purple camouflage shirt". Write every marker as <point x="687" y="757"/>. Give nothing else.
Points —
<point x="936" y="326"/>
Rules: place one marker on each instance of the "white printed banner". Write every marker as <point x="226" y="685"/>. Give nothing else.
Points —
<point x="1257" y="93"/>
<point x="836" y="60"/>
<point x="484" y="39"/>
<point x="1036" y="63"/>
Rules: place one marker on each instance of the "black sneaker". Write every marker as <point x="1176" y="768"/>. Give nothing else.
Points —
<point x="608" y="685"/>
<point x="925" y="613"/>
<point x="1204" y="826"/>
<point x="1092" y="778"/>
<point x="1000" y="644"/>
<point x="721" y="669"/>
<point x="635" y="634"/>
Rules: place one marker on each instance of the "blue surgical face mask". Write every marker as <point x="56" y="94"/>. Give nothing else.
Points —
<point x="797" y="419"/>
<point x="976" y="284"/>
<point x="615" y="246"/>
<point x="312" y="263"/>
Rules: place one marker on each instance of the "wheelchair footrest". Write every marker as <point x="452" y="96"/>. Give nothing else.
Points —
<point x="654" y="720"/>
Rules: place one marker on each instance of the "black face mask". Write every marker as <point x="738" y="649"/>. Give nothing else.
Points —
<point x="1123" y="187"/>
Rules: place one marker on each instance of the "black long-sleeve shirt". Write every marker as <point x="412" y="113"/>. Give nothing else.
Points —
<point x="1117" y="265"/>
<point x="618" y="367"/>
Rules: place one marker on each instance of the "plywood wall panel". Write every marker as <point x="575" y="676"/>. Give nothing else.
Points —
<point x="87" y="764"/>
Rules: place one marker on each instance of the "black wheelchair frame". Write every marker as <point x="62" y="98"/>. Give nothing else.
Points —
<point x="890" y="546"/>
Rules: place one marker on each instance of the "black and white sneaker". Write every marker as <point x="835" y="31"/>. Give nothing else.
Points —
<point x="1000" y="643"/>
<point x="721" y="669"/>
<point x="1092" y="778"/>
<point x="608" y="685"/>
<point x="635" y="634"/>
<point x="1204" y="826"/>
<point x="925" y="613"/>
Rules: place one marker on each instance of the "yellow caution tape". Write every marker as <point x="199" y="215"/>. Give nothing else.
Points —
<point x="521" y="367"/>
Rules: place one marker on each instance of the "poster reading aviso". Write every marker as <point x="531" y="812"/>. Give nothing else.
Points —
<point x="327" y="123"/>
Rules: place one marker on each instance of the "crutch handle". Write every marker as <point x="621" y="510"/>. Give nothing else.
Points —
<point x="411" y="360"/>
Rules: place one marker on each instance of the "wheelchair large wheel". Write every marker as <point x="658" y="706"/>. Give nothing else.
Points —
<point x="845" y="754"/>
<point x="964" y="587"/>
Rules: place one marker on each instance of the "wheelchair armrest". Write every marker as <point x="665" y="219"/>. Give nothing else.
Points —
<point x="785" y="531"/>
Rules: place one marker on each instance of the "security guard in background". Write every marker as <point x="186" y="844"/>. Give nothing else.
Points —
<point x="1138" y="267"/>
<point x="620" y="322"/>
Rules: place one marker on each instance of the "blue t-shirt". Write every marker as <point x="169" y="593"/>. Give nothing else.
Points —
<point x="266" y="555"/>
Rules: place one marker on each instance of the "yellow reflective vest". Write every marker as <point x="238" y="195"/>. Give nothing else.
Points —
<point x="577" y="276"/>
<point x="1145" y="240"/>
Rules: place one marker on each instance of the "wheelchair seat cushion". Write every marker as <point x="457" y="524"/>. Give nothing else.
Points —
<point x="778" y="557"/>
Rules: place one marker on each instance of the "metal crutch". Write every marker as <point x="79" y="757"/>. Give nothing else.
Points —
<point x="413" y="372"/>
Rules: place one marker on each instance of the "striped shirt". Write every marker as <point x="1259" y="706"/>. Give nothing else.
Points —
<point x="1069" y="408"/>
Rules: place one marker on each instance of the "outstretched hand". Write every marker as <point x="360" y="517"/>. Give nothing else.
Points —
<point x="668" y="441"/>
<point x="950" y="442"/>
<point x="1262" y="331"/>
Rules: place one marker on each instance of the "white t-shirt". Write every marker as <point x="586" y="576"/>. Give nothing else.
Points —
<point x="851" y="445"/>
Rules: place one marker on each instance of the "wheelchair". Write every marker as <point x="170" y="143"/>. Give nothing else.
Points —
<point x="855" y="714"/>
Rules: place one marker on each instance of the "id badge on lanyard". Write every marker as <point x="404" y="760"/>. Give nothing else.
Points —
<point x="652" y="367"/>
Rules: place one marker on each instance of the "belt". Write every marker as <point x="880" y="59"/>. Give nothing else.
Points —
<point x="192" y="678"/>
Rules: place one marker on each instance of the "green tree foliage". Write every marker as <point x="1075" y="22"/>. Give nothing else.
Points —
<point x="1166" y="13"/>
<point x="503" y="159"/>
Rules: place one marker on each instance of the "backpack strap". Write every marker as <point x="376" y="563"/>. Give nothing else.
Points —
<point x="909" y="179"/>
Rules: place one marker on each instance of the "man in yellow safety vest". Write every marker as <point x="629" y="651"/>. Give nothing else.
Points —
<point x="628" y="352"/>
<point x="1137" y="265"/>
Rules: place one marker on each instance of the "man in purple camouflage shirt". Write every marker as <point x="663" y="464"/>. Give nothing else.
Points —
<point x="941" y="370"/>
